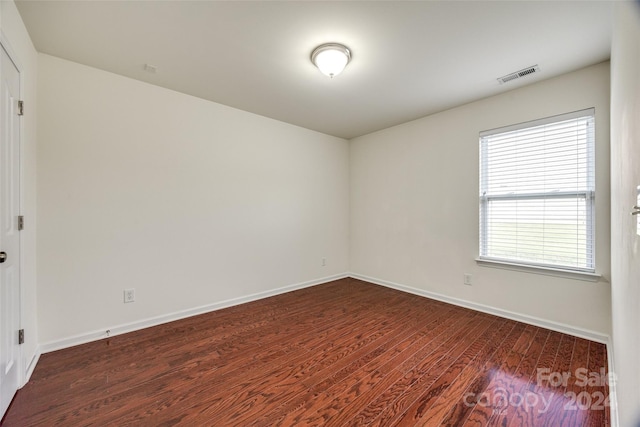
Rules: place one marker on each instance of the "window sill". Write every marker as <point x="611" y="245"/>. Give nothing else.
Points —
<point x="547" y="271"/>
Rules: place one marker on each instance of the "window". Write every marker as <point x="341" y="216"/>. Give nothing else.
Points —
<point x="537" y="189"/>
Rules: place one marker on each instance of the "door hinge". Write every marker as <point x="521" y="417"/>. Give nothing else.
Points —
<point x="21" y="336"/>
<point x="21" y="222"/>
<point x="21" y="108"/>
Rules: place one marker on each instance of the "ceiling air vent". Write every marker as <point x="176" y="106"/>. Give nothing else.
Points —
<point x="522" y="73"/>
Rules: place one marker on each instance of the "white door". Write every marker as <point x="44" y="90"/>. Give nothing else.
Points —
<point x="9" y="235"/>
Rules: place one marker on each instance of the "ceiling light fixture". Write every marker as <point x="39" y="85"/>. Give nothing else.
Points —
<point x="331" y="58"/>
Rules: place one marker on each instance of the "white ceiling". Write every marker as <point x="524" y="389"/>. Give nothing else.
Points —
<point x="410" y="59"/>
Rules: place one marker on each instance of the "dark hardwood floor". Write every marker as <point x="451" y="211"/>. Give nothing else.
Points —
<point x="341" y="353"/>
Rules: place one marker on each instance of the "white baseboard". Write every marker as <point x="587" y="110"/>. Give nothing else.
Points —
<point x="531" y="320"/>
<point x="32" y="365"/>
<point x="613" y="396"/>
<point x="145" y="323"/>
<point x="170" y="317"/>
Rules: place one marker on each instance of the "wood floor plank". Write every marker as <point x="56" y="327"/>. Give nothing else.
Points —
<point x="462" y="407"/>
<point x="555" y="390"/>
<point x="431" y="406"/>
<point x="245" y="384"/>
<point x="429" y="370"/>
<point x="213" y="362"/>
<point x="293" y="412"/>
<point x="348" y="391"/>
<point x="342" y="353"/>
<point x="120" y="350"/>
<point x="495" y="395"/>
<point x="571" y="414"/>
<point x="598" y="386"/>
<point x="432" y="330"/>
<point x="241" y="392"/>
<point x="519" y="384"/>
<point x="533" y="393"/>
<point x="390" y="376"/>
<point x="412" y="368"/>
<point x="454" y="386"/>
<point x="335" y="371"/>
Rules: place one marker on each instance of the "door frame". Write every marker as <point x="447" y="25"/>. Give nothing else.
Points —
<point x="6" y="45"/>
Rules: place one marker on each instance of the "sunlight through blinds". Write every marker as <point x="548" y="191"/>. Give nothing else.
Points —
<point x="537" y="188"/>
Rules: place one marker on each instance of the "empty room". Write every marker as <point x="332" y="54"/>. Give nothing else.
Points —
<point x="288" y="213"/>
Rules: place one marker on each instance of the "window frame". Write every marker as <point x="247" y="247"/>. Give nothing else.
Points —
<point x="588" y="194"/>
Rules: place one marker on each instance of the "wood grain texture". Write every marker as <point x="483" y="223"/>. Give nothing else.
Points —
<point x="342" y="353"/>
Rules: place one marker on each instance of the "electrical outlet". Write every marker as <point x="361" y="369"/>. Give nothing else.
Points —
<point x="467" y="279"/>
<point x="324" y="262"/>
<point x="129" y="295"/>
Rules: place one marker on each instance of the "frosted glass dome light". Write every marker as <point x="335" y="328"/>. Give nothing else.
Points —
<point x="331" y="58"/>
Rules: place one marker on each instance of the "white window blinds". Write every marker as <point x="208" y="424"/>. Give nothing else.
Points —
<point x="537" y="191"/>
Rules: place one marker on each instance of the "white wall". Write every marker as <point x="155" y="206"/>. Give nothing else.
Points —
<point x="187" y="201"/>
<point x="625" y="176"/>
<point x="414" y="204"/>
<point x="25" y="55"/>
